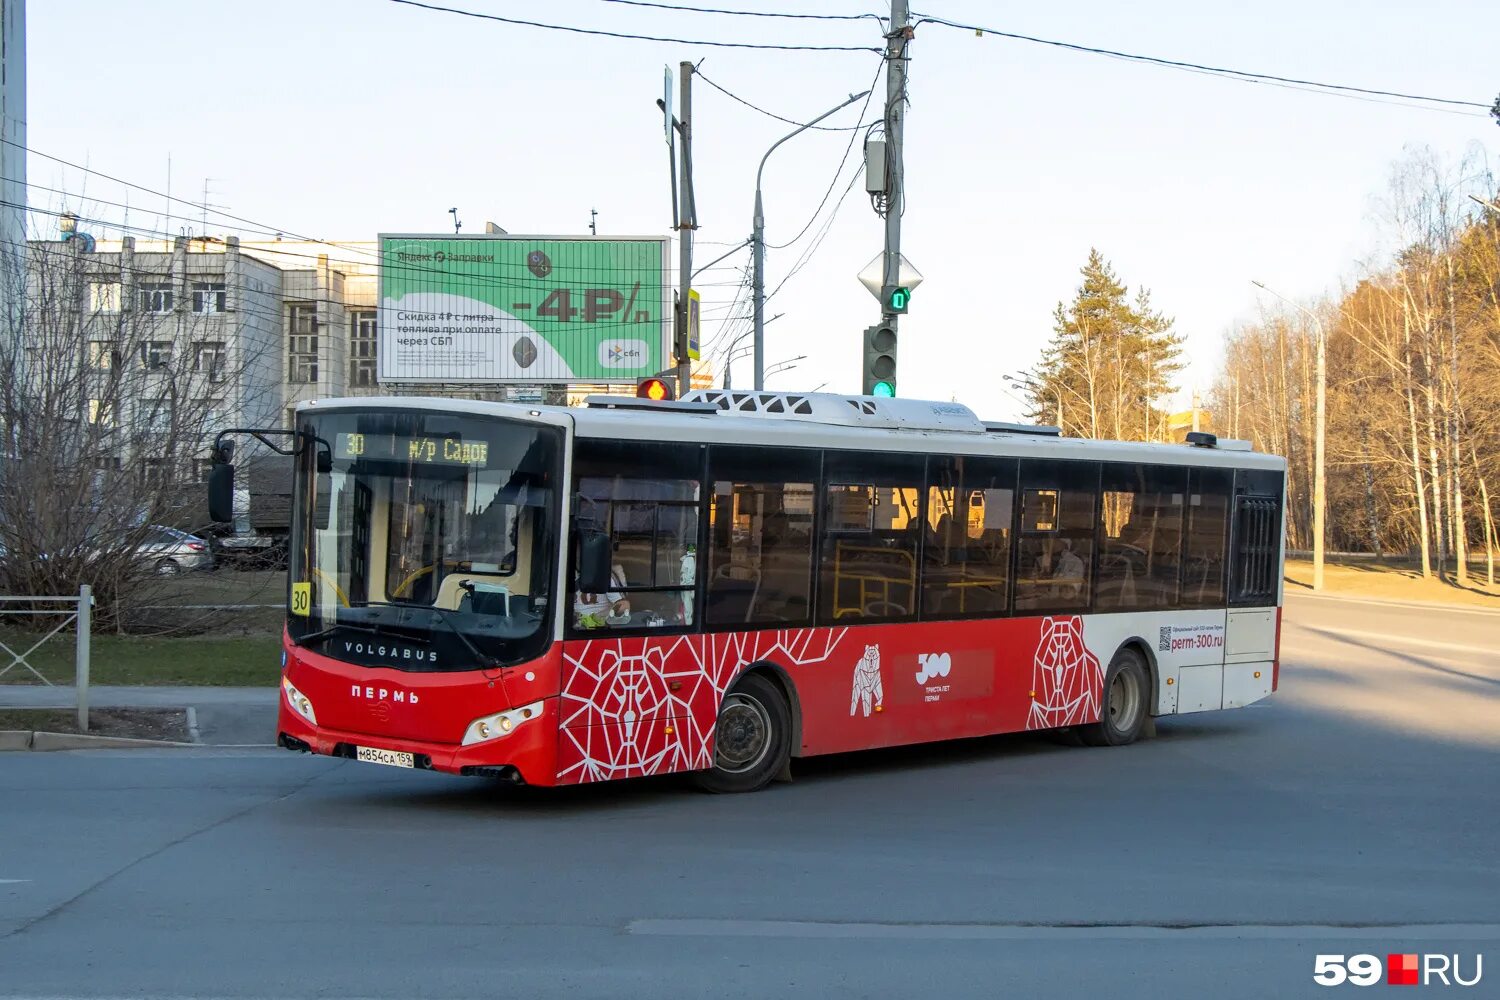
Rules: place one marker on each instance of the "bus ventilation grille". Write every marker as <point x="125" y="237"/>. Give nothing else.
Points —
<point x="754" y="402"/>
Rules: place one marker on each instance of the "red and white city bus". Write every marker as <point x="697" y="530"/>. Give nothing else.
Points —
<point x="719" y="584"/>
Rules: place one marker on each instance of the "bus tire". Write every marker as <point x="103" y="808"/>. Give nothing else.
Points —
<point x="752" y="738"/>
<point x="1122" y="716"/>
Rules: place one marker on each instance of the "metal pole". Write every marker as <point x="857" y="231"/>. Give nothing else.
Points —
<point x="1320" y="497"/>
<point x="685" y="226"/>
<point x="758" y="245"/>
<point x="81" y="654"/>
<point x="758" y="253"/>
<point x="895" y="118"/>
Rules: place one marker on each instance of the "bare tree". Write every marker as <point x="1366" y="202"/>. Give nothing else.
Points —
<point x="109" y="392"/>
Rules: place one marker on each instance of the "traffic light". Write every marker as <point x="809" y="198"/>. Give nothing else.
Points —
<point x="896" y="298"/>
<point x="879" y="371"/>
<point x="655" y="389"/>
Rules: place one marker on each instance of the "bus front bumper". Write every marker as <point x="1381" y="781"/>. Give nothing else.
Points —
<point x="525" y="754"/>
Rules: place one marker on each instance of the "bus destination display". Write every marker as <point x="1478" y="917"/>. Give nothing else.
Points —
<point x="424" y="450"/>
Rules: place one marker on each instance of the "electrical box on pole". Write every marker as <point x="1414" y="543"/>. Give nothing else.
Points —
<point x="875" y="166"/>
<point x="879" y="369"/>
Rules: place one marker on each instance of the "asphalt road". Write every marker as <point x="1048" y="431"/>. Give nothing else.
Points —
<point x="1356" y="812"/>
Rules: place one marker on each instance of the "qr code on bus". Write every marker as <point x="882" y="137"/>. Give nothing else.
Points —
<point x="1164" y="639"/>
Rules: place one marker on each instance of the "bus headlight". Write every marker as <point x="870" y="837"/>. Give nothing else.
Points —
<point x="489" y="727"/>
<point x="299" y="702"/>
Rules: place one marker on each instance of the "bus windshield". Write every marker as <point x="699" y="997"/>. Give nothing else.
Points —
<point x="423" y="540"/>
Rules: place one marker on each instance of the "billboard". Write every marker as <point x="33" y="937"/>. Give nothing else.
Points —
<point x="501" y="308"/>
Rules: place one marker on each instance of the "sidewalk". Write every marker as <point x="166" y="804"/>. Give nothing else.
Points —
<point x="227" y="716"/>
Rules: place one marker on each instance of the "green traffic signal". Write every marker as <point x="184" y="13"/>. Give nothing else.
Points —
<point x="884" y="389"/>
<point x="900" y="299"/>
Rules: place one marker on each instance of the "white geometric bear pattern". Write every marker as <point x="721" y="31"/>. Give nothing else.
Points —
<point x="618" y="706"/>
<point x="867" y="691"/>
<point x="1066" y="679"/>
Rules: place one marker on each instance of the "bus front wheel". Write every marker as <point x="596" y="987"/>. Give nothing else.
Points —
<point x="752" y="738"/>
<point x="1122" y="716"/>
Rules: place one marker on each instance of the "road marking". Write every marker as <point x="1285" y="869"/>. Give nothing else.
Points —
<point x="1035" y="932"/>
<point x="1398" y="639"/>
<point x="13" y="881"/>
<point x="1418" y="605"/>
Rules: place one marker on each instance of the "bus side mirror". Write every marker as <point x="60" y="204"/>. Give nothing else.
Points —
<point x="593" y="561"/>
<point x="221" y="492"/>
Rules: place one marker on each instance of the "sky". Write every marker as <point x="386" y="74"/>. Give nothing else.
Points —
<point x="341" y="119"/>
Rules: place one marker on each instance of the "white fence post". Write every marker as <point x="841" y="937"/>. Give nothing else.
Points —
<point x="81" y="654"/>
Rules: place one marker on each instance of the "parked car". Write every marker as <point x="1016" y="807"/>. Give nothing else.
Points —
<point x="170" y="551"/>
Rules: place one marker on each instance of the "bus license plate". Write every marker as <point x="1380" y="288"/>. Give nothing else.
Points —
<point x="390" y="758"/>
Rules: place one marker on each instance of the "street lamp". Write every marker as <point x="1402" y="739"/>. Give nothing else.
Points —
<point x="1320" y="498"/>
<point x="758" y="238"/>
<point x="1485" y="202"/>
<point x="1031" y="384"/>
<point x="784" y="366"/>
<point x="732" y="352"/>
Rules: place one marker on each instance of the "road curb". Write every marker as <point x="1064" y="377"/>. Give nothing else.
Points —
<point x="41" y="741"/>
<point x="15" y="739"/>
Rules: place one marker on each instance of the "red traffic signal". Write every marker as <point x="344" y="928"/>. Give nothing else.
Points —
<point x="655" y="389"/>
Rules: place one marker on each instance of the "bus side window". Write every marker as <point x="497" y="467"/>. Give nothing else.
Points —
<point x="1207" y="537"/>
<point x="966" y="558"/>
<point x="1141" y="513"/>
<point x="1056" y="549"/>
<point x="760" y="544"/>
<point x="872" y="528"/>
<point x="645" y="496"/>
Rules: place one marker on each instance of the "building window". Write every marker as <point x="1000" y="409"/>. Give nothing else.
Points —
<point x="104" y="296"/>
<point x="101" y="413"/>
<point x="154" y="416"/>
<point x="201" y="467"/>
<point x="156" y="471"/>
<point x="156" y="296"/>
<point x="109" y="463"/>
<point x="209" y="297"/>
<point x="362" y="349"/>
<point x="302" y="343"/>
<point x="212" y="411"/>
<point x="208" y="359"/>
<point x="156" y="353"/>
<point x="102" y="355"/>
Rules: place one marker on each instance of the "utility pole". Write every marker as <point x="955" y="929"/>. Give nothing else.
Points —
<point x="895" y="119"/>
<point x="686" y="223"/>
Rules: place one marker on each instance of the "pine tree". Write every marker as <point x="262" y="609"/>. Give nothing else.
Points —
<point x="1110" y="361"/>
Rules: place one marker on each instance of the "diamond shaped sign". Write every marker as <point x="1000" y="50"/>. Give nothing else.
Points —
<point x="874" y="272"/>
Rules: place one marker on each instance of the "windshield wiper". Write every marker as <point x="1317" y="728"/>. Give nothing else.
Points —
<point x="323" y="633"/>
<point x="484" y="660"/>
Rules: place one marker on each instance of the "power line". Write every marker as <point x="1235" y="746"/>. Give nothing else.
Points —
<point x="632" y="37"/>
<point x="817" y="242"/>
<point x="780" y="118"/>
<point x="838" y="172"/>
<point x="748" y="13"/>
<point x="1248" y="76"/>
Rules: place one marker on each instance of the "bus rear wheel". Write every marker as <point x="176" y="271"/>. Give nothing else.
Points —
<point x="1122" y="717"/>
<point x="752" y="738"/>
